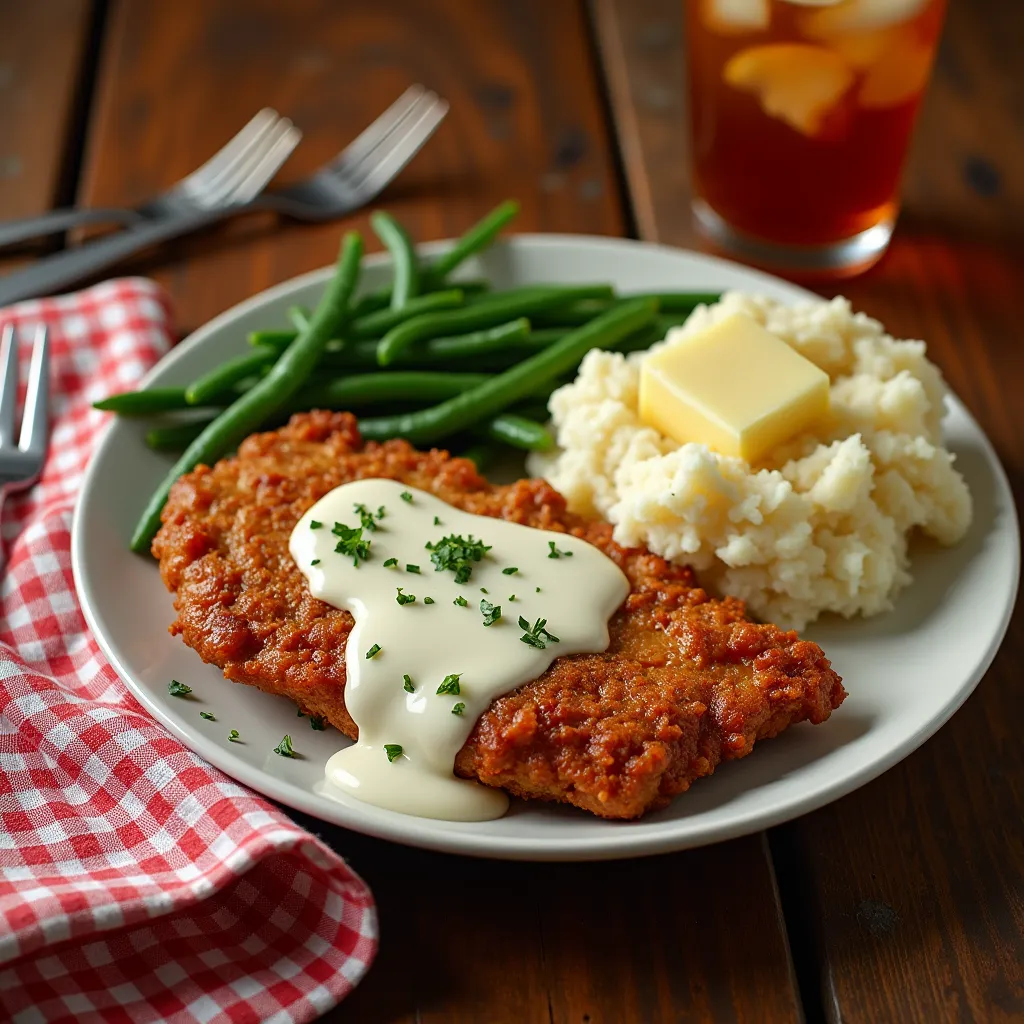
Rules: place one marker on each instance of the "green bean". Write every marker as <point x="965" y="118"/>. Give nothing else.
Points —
<point x="373" y="325"/>
<point x="505" y="389"/>
<point x="487" y="312"/>
<point x="299" y="317"/>
<point x="206" y="389"/>
<point x="573" y="314"/>
<point x="519" y="432"/>
<point x="403" y="257"/>
<point x="279" y="339"/>
<point x="251" y="409"/>
<point x="680" y="302"/>
<point x="381" y="298"/>
<point x="478" y="237"/>
<point x="366" y="388"/>
<point x="143" y="403"/>
<point x="177" y="436"/>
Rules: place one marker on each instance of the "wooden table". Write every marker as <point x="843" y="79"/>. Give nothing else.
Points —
<point x="901" y="902"/>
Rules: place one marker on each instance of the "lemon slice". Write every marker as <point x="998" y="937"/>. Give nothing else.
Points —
<point x="898" y="76"/>
<point x="795" y="82"/>
<point x="731" y="17"/>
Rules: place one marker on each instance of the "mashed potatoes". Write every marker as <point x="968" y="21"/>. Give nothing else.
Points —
<point x="823" y="523"/>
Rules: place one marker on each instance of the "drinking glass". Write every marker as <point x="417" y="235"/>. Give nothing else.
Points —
<point x="801" y="114"/>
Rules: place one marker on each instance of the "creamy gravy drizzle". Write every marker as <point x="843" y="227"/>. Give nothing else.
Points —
<point x="579" y="592"/>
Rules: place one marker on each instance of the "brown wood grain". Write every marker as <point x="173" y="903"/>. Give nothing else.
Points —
<point x="680" y="938"/>
<point x="42" y="44"/>
<point x="905" y="899"/>
<point x="690" y="937"/>
<point x="178" y="80"/>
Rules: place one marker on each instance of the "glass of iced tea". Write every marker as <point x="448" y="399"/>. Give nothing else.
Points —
<point x="801" y="113"/>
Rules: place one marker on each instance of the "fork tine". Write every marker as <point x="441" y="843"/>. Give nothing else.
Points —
<point x="400" y="149"/>
<point x="8" y="384"/>
<point x="230" y="151"/>
<point x="216" y="190"/>
<point x="35" y="422"/>
<point x="286" y="139"/>
<point x="378" y="130"/>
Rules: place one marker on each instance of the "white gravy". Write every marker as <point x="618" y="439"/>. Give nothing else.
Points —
<point x="579" y="590"/>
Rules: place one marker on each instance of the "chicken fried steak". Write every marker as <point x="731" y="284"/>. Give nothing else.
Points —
<point x="686" y="682"/>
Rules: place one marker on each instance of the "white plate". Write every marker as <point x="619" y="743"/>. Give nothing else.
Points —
<point x="906" y="672"/>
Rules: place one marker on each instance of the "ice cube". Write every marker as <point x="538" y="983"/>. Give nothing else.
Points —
<point x="734" y="17"/>
<point x="859" y="16"/>
<point x="795" y="82"/>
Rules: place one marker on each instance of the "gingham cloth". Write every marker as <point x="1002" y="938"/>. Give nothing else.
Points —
<point x="138" y="883"/>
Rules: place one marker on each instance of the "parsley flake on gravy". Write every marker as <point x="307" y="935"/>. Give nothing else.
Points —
<point x="405" y="598"/>
<point x="176" y="689"/>
<point x="373" y="652"/>
<point x="350" y="542"/>
<point x="406" y="496"/>
<point x="461" y="602"/>
<point x="536" y="635"/>
<point x="450" y="684"/>
<point x="457" y="554"/>
<point x="392" y="750"/>
<point x="207" y="716"/>
<point x="490" y="612"/>
<point x="407" y="684"/>
<point x="554" y="552"/>
<point x="459" y="708"/>
<point x="233" y="736"/>
<point x="388" y="562"/>
<point x="510" y="571"/>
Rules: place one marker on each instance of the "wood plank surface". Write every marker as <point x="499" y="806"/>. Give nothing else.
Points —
<point x="42" y="45"/>
<point x="905" y="900"/>
<point x="178" y="80"/>
<point x="689" y="937"/>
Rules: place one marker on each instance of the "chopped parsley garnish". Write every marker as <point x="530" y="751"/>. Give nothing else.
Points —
<point x="176" y="689"/>
<point x="537" y="591"/>
<point x="510" y="571"/>
<point x="393" y="750"/>
<point x="373" y="652"/>
<point x="490" y="612"/>
<point x="459" y="708"/>
<point x="450" y="684"/>
<point x="388" y="562"/>
<point x="233" y="736"/>
<point x="457" y="554"/>
<point x="483" y="590"/>
<point x="437" y="520"/>
<point x="316" y="561"/>
<point x="350" y="542"/>
<point x="409" y="567"/>
<point x="318" y="723"/>
<point x="315" y="524"/>
<point x="407" y="684"/>
<point x="207" y="716"/>
<point x="428" y="600"/>
<point x="366" y="517"/>
<point x="511" y="597"/>
<point x="405" y="598"/>
<point x="553" y="551"/>
<point x="381" y="512"/>
<point x="406" y="496"/>
<point x="461" y="602"/>
<point x="536" y="635"/>
<point x="284" y="748"/>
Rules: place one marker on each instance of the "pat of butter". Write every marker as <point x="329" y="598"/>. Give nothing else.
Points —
<point x="734" y="387"/>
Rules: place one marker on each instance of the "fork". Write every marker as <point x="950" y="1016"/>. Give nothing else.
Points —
<point x="241" y="170"/>
<point x="204" y="187"/>
<point x="21" y="462"/>
<point x="350" y="180"/>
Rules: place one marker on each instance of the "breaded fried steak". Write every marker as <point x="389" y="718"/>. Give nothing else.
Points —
<point x="686" y="682"/>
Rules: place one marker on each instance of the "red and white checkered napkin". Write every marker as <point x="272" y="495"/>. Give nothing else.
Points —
<point x="137" y="883"/>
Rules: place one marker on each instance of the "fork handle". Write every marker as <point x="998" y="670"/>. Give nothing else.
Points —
<point x="53" y="273"/>
<point x="14" y="231"/>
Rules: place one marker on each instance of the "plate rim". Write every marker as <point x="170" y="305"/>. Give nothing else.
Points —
<point x="423" y="833"/>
